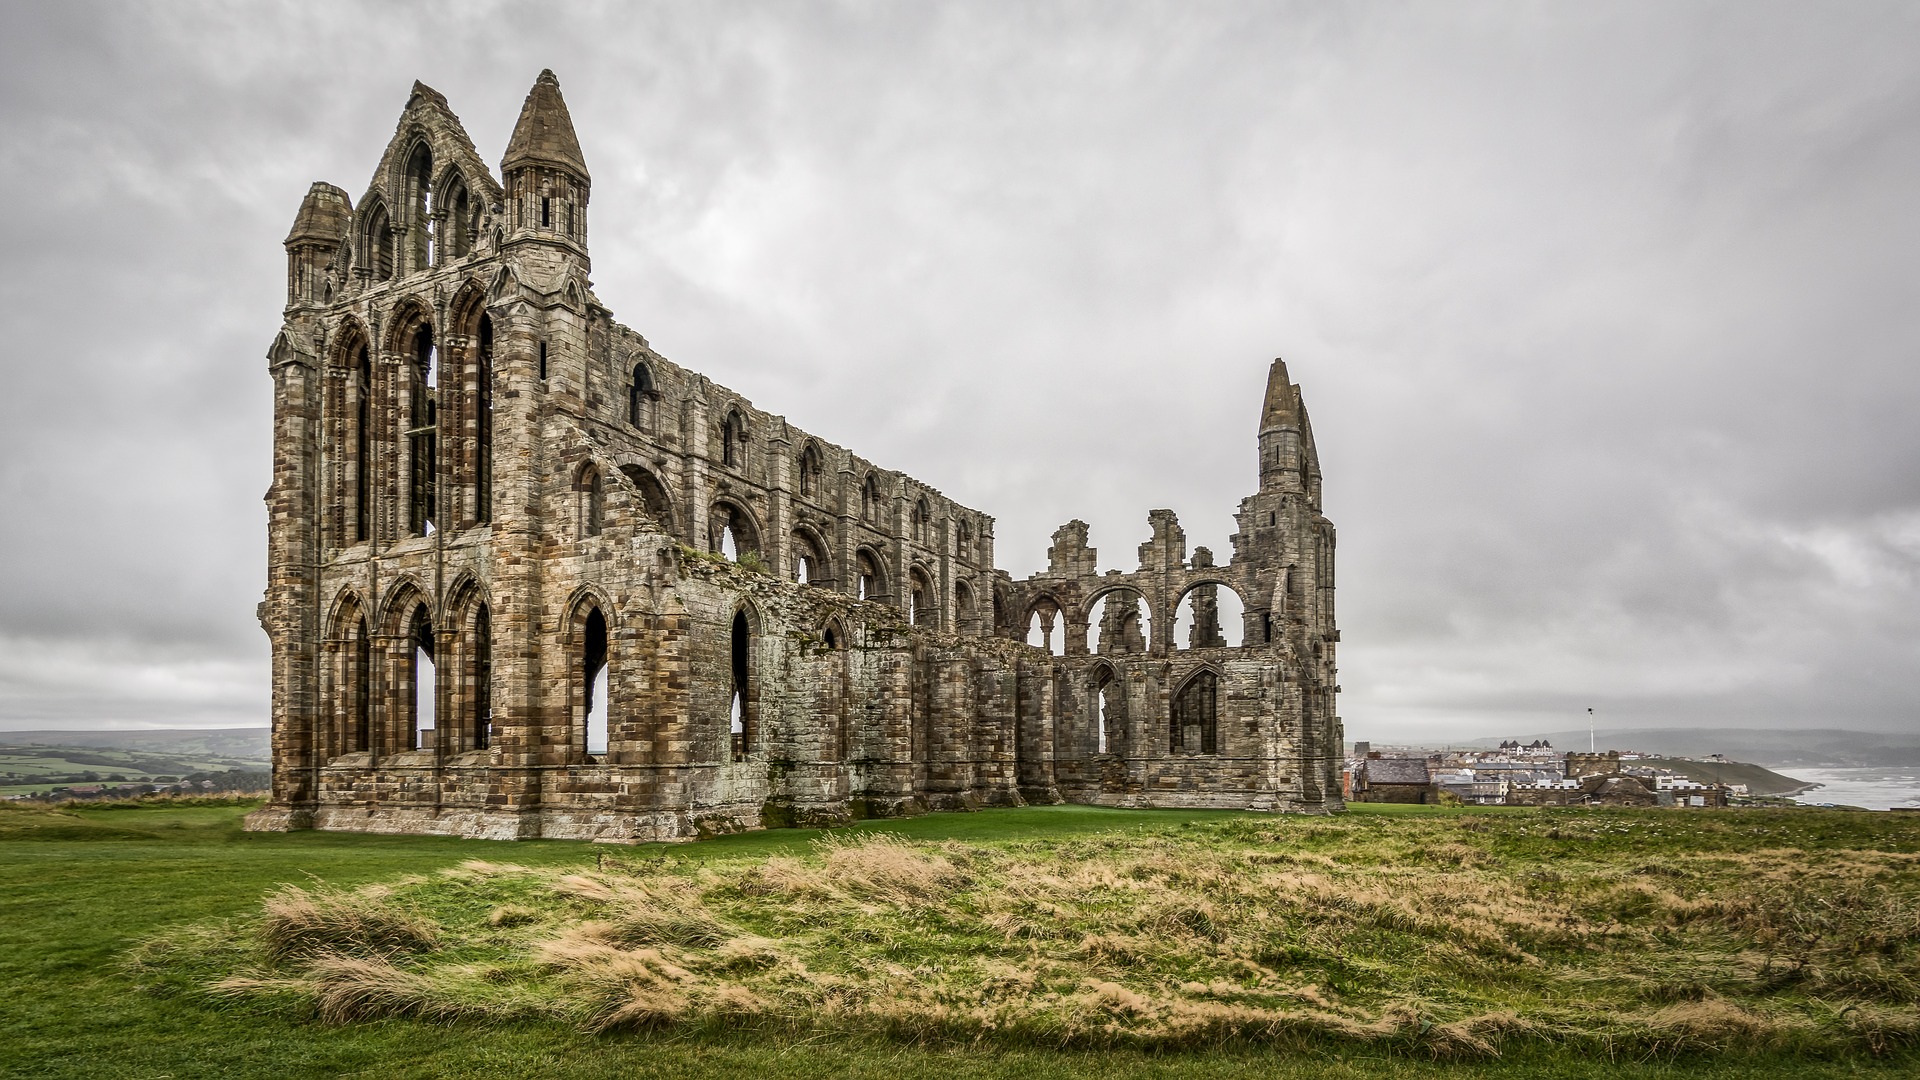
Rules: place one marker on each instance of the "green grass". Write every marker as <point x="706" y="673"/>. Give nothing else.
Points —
<point x="80" y="890"/>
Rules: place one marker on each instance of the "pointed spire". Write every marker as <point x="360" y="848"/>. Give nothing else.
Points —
<point x="1283" y="401"/>
<point x="544" y="133"/>
<point x="323" y="215"/>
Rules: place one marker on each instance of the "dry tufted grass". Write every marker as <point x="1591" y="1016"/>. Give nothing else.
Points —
<point x="1449" y="941"/>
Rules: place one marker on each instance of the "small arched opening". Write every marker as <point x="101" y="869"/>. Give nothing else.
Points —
<point x="739" y="699"/>
<point x="419" y="185"/>
<point x="595" y="680"/>
<point x="423" y="672"/>
<point x="923" y="608"/>
<point x="809" y="559"/>
<point x="807" y="471"/>
<point x="733" y="440"/>
<point x="480" y="718"/>
<point x="731" y="531"/>
<point x="591" y="496"/>
<point x="1045" y="627"/>
<point x="422" y="430"/>
<point x="1110" y="710"/>
<point x="640" y="395"/>
<point x="870" y="583"/>
<point x="922" y="520"/>
<point x="1194" y="724"/>
<point x="966" y="612"/>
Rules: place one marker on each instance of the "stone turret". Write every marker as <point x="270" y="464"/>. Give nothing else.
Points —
<point x="545" y="173"/>
<point x="313" y="244"/>
<point x="1282" y="426"/>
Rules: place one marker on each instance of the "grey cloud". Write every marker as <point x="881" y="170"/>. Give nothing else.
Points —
<point x="1604" y="314"/>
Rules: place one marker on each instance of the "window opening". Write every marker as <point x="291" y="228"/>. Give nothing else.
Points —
<point x="546" y="212"/>
<point x="737" y="708"/>
<point x="483" y="429"/>
<point x="732" y="431"/>
<point x="638" y="395"/>
<point x="1100" y="699"/>
<point x="1195" y="715"/>
<point x="594" y="683"/>
<point x="359" y="723"/>
<point x="593" y="501"/>
<point x="362" y="456"/>
<point x="421" y="436"/>
<point x="1040" y="627"/>
<point x="1209" y="616"/>
<point x="866" y="577"/>
<point x="419" y="187"/>
<point x="482" y="679"/>
<point x="421" y="737"/>
<point x="380" y="244"/>
<point x="1125" y="623"/>
<point x="809" y="469"/>
<point x="543" y="361"/>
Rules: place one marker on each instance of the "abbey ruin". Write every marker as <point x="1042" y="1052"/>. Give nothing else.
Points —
<point x="530" y="578"/>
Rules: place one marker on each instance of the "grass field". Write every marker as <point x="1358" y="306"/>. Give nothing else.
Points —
<point x="1572" y="914"/>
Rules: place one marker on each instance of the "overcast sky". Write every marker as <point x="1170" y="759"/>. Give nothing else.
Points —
<point x="1606" y="314"/>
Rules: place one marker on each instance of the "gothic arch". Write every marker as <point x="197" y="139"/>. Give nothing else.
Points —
<point x="587" y="636"/>
<point x="397" y="607"/>
<point x="922" y="601"/>
<point x="728" y="513"/>
<point x="810" y="561"/>
<point x="654" y="498"/>
<point x="869" y="573"/>
<point x="1193" y="720"/>
<point x="1237" y="625"/>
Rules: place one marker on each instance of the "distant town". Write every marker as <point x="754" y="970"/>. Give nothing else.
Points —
<point x="1537" y="774"/>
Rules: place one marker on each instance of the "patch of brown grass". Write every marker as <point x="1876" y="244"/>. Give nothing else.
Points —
<point x="296" y="923"/>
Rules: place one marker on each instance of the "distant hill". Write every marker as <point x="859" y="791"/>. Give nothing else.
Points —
<point x="1816" y="747"/>
<point x="243" y="744"/>
<point x="1759" y="780"/>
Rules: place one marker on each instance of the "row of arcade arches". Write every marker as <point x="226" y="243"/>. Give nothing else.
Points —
<point x="1207" y="615"/>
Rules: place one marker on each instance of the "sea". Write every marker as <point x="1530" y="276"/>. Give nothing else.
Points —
<point x="1871" y="787"/>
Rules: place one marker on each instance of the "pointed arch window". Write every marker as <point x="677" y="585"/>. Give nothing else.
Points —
<point x="482" y="718"/>
<point x="483" y="422"/>
<point x="592" y="495"/>
<point x="420" y="732"/>
<point x="809" y="470"/>
<point x="360" y="690"/>
<point x="379" y="244"/>
<point x="422" y="435"/>
<point x="1195" y="720"/>
<point x="640" y="397"/>
<point x="922" y="515"/>
<point x="869" y="499"/>
<point x="733" y="440"/>
<point x="419" y="185"/>
<point x="361" y="390"/>
<point x="739" y="698"/>
<point x="594" y="685"/>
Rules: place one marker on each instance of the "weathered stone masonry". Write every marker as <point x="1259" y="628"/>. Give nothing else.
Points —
<point x="527" y="577"/>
